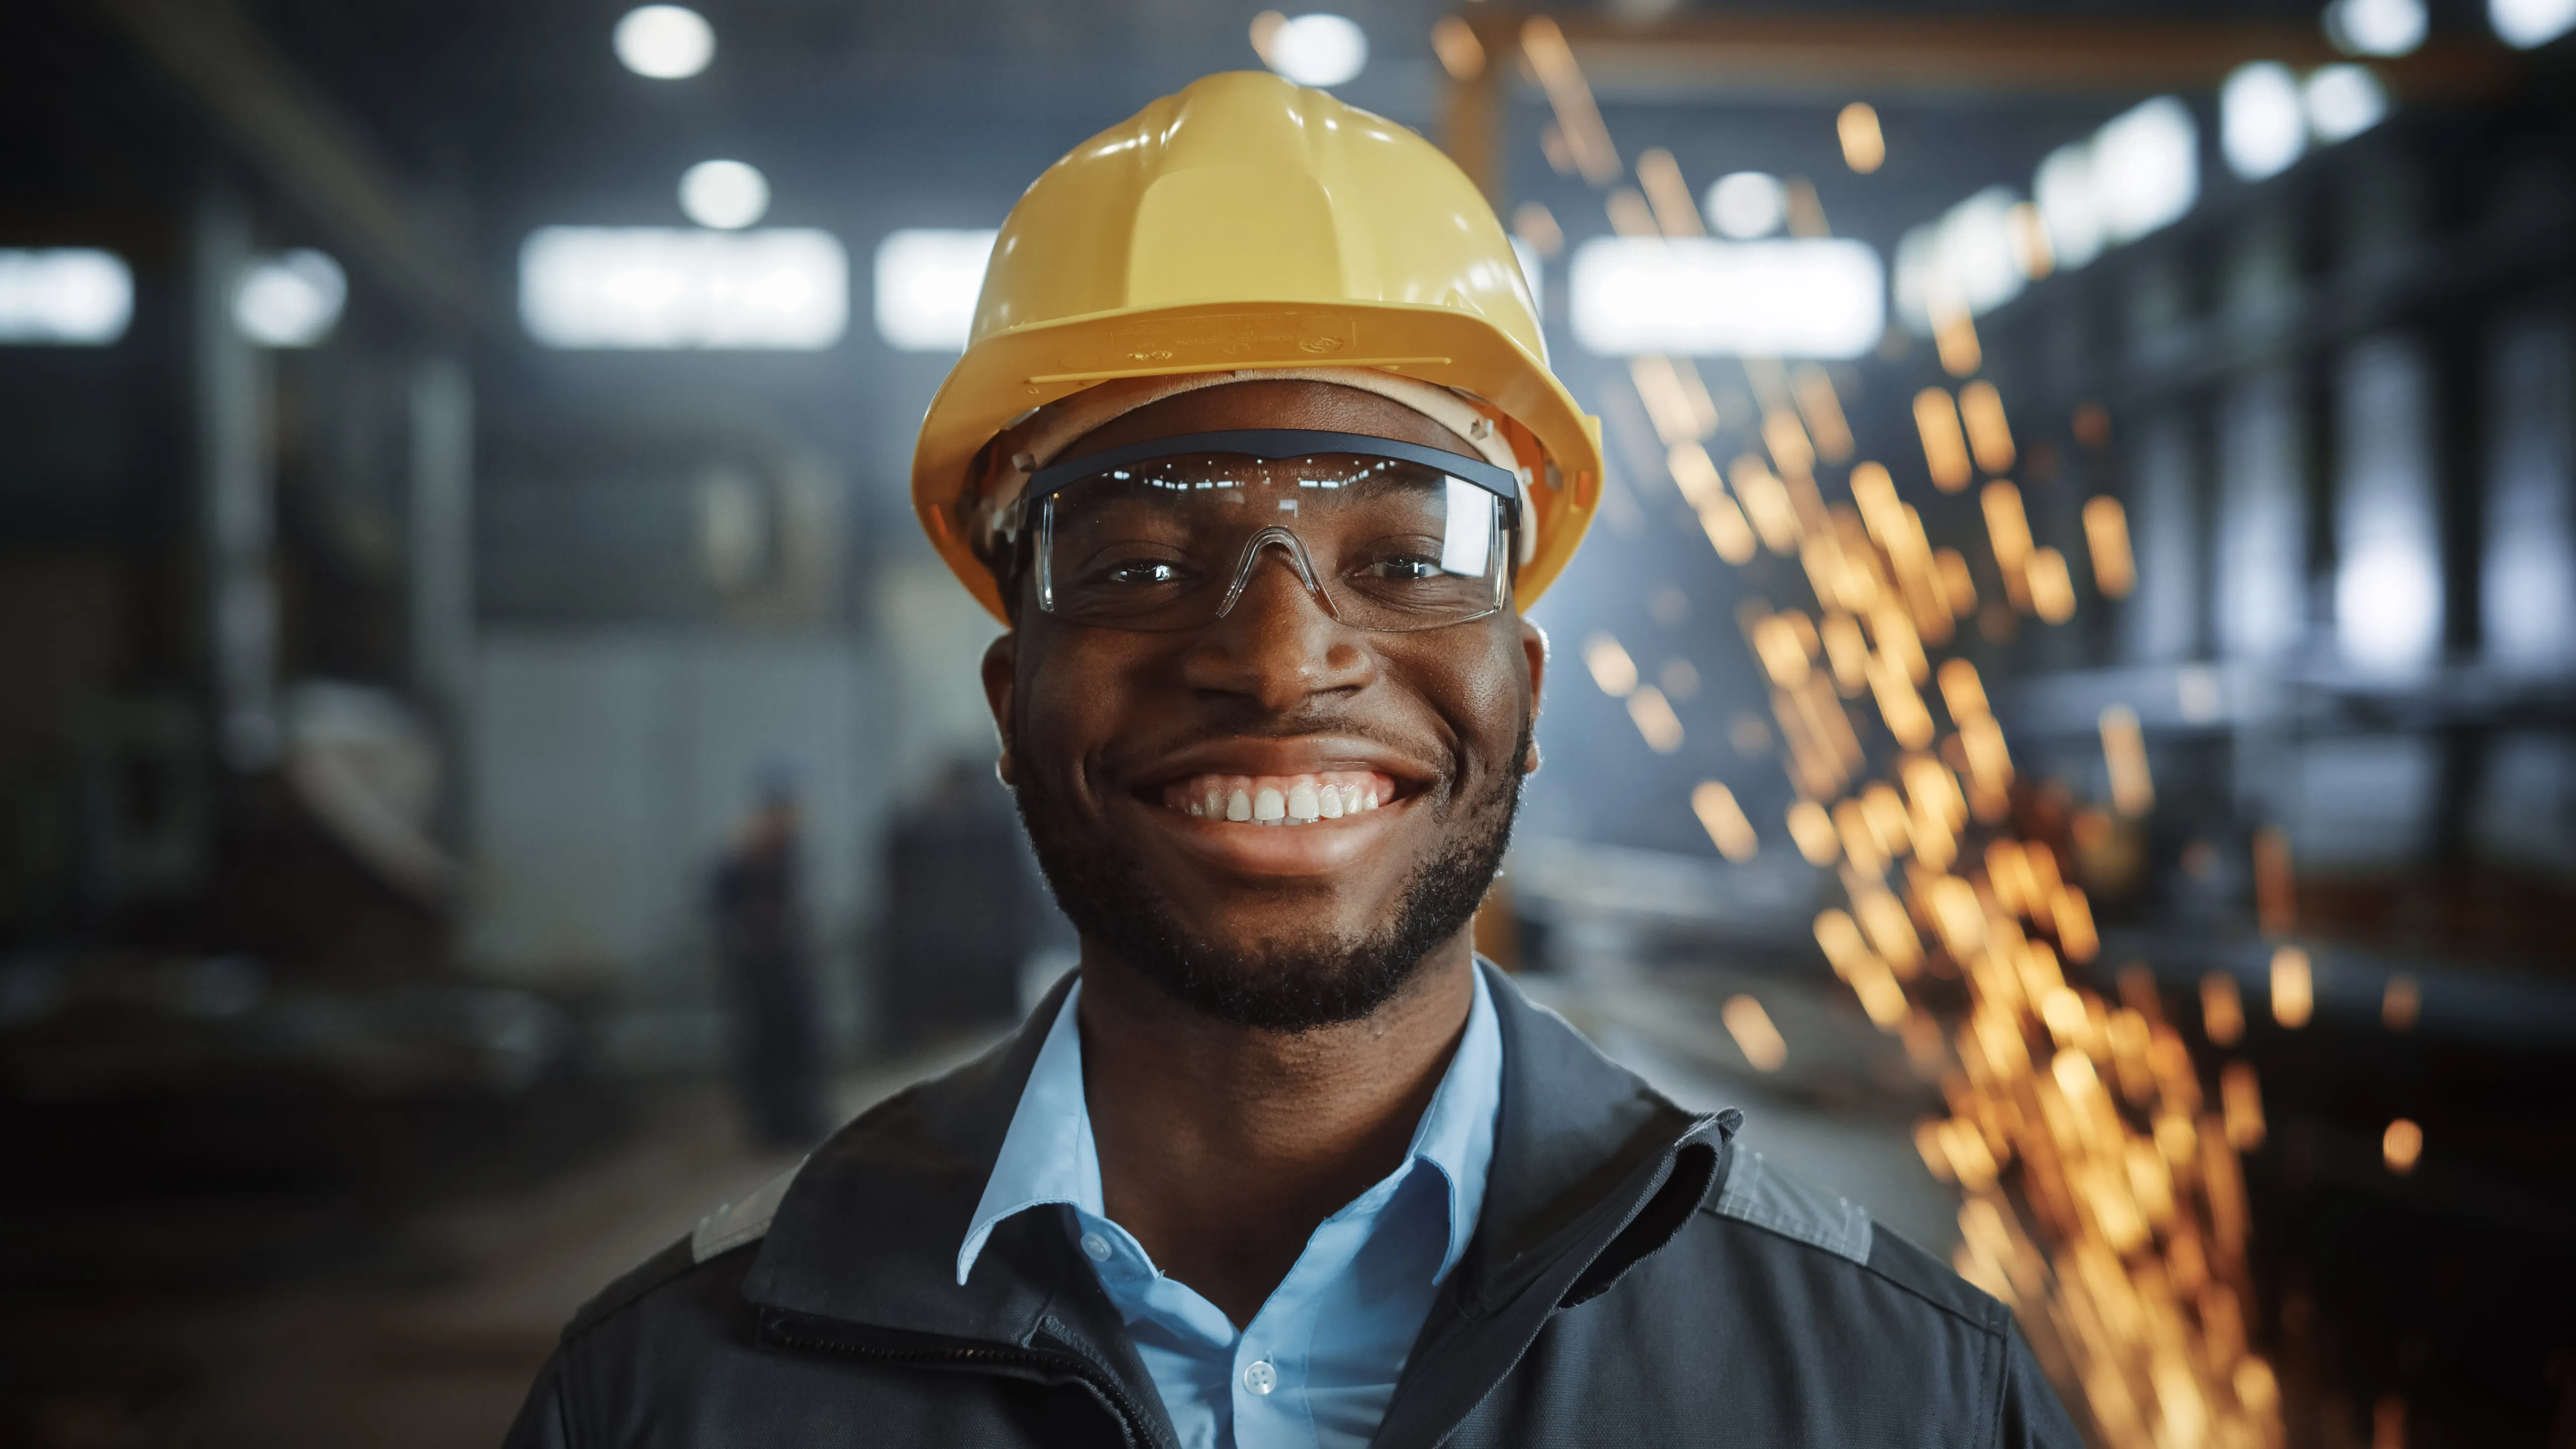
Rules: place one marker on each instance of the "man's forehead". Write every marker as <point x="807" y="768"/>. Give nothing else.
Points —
<point x="1272" y="403"/>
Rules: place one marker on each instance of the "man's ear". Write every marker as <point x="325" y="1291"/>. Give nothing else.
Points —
<point x="1533" y="649"/>
<point x="1001" y="681"/>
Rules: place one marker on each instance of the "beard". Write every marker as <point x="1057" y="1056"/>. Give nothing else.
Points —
<point x="1274" y="986"/>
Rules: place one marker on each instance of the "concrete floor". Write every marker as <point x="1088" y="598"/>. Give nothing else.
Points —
<point x="412" y="1361"/>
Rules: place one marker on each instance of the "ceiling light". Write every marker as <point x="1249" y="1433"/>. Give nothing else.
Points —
<point x="2375" y="27"/>
<point x="2261" y="126"/>
<point x="2525" y="24"/>
<point x="2342" y="101"/>
<point x="1812" y="297"/>
<point x="1747" y="204"/>
<point x="726" y="195"/>
<point x="291" y="300"/>
<point x="2146" y="168"/>
<point x="783" y="288"/>
<point x="927" y="282"/>
<point x="666" y="42"/>
<point x="2063" y="190"/>
<point x="1317" y="50"/>
<point x="1968" y="259"/>
<point x="75" y="296"/>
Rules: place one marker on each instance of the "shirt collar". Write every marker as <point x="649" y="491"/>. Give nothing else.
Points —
<point x="1049" y="1155"/>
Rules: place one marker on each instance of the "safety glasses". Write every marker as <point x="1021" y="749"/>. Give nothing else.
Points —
<point x="1165" y="534"/>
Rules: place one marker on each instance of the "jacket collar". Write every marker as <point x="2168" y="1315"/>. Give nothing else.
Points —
<point x="868" y="1232"/>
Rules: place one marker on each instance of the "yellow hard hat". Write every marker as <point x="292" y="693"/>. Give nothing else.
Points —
<point x="1248" y="224"/>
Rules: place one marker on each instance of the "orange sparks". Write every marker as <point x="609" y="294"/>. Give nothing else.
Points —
<point x="1813" y="830"/>
<point x="2106" y="535"/>
<point x="2294" y="997"/>
<point x="1945" y="449"/>
<point x="1754" y="1034"/>
<point x="2124" y="751"/>
<point x="2401" y="1145"/>
<point x="1611" y="667"/>
<point x="2222" y="1011"/>
<point x="1989" y="437"/>
<point x="1724" y="820"/>
<point x="1461" y="53"/>
<point x="1864" y="145"/>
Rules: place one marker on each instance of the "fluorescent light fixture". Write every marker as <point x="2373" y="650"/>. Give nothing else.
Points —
<point x="665" y="42"/>
<point x="726" y="195"/>
<point x="2526" y="24"/>
<point x="1747" y="205"/>
<point x="2063" y="189"/>
<point x="1812" y="297"/>
<point x="2146" y="168"/>
<point x="2388" y="570"/>
<point x="2376" y="27"/>
<point x="1317" y="50"/>
<point x="2388" y="605"/>
<point x="2138" y="173"/>
<point x="290" y="300"/>
<point x="666" y="288"/>
<point x="2262" y="127"/>
<point x="64" y="296"/>
<point x="927" y="282"/>
<point x="2342" y="101"/>
<point x="1977" y="249"/>
<point x="1966" y="259"/>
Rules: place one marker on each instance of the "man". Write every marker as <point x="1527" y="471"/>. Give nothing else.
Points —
<point x="1256" y="452"/>
<point x="760" y="936"/>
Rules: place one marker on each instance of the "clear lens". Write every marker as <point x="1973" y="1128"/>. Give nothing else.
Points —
<point x="1171" y="543"/>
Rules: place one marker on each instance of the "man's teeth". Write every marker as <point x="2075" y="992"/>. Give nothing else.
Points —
<point x="1280" y="799"/>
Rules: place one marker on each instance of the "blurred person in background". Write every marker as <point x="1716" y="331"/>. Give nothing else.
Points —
<point x="964" y="922"/>
<point x="777" y="1054"/>
<point x="1256" y="452"/>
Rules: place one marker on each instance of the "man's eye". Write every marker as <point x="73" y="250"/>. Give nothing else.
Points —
<point x="1406" y="568"/>
<point x="1143" y="571"/>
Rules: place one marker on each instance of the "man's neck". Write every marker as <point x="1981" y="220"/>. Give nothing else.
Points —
<point x="1222" y="1147"/>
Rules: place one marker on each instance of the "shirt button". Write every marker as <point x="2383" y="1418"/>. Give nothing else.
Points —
<point x="1259" y="1376"/>
<point x="1096" y="1247"/>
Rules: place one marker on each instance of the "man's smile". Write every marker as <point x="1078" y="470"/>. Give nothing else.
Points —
<point x="1301" y="806"/>
<point x="1279" y="799"/>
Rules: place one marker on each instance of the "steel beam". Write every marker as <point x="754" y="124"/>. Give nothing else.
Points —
<point x="304" y="147"/>
<point x="1845" y="55"/>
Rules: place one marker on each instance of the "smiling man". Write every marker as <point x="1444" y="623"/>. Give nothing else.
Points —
<point x="1256" y="452"/>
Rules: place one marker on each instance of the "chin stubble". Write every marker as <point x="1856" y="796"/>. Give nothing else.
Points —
<point x="1277" y="986"/>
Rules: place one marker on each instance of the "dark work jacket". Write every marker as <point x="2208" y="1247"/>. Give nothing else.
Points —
<point x="1635" y="1279"/>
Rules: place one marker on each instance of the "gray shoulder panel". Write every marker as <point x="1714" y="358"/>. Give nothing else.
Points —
<point x="736" y="1223"/>
<point x="1763" y="1195"/>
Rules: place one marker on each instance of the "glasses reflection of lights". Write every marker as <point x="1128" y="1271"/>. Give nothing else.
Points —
<point x="1272" y="444"/>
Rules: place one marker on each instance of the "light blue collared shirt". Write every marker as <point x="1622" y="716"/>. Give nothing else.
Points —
<point x="1318" y="1364"/>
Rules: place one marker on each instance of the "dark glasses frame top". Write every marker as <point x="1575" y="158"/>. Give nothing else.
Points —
<point x="1271" y="444"/>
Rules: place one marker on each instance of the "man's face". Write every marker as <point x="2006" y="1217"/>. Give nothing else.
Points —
<point x="1110" y="736"/>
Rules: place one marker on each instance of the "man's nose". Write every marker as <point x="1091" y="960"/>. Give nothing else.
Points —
<point x="1280" y="645"/>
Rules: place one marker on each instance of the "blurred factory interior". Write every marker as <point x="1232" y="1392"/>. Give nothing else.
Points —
<point x="2066" y="714"/>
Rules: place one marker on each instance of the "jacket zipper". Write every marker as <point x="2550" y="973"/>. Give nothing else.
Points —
<point x="1132" y="1418"/>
